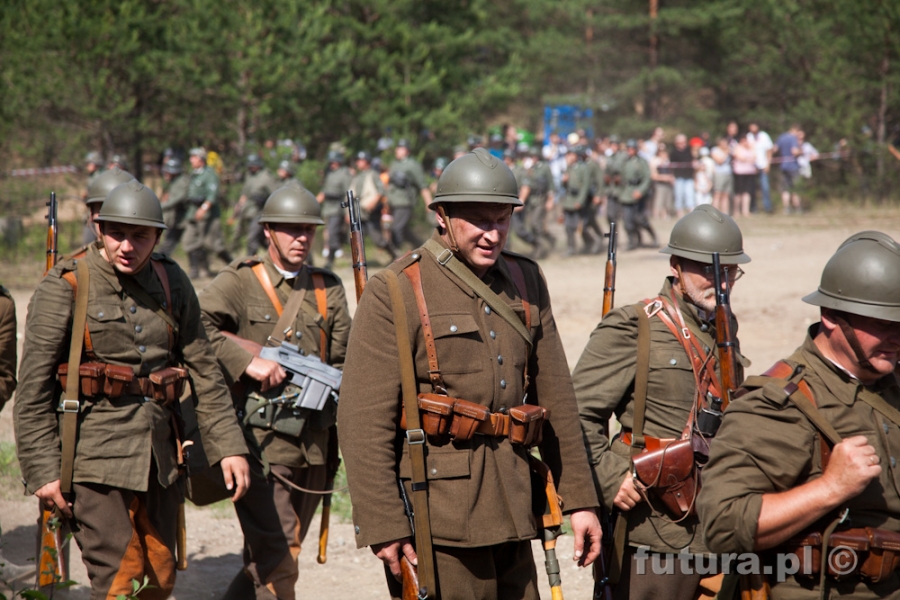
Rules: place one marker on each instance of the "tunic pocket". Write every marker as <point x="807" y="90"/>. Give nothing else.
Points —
<point x="106" y="324"/>
<point x="448" y="475"/>
<point x="458" y="342"/>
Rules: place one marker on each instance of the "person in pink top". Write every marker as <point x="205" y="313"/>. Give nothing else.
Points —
<point x="743" y="164"/>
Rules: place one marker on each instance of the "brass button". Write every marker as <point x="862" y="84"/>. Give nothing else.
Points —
<point x="100" y="314"/>
<point x="142" y="348"/>
<point x="433" y="471"/>
<point x="493" y="335"/>
<point x="357" y="529"/>
<point x="893" y="462"/>
<point x="267" y="318"/>
<point x="673" y="361"/>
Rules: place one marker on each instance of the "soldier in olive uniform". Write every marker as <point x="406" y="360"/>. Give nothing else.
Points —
<point x="334" y="191"/>
<point x="477" y="345"/>
<point x="636" y="183"/>
<point x="812" y="447"/>
<point x="174" y="203"/>
<point x="258" y="186"/>
<point x="286" y="171"/>
<point x="612" y="179"/>
<point x="605" y="379"/>
<point x="93" y="166"/>
<point x="203" y="232"/>
<point x="275" y="517"/>
<point x="595" y="178"/>
<point x="367" y="186"/>
<point x="517" y="222"/>
<point x="577" y="202"/>
<point x="537" y="194"/>
<point x="406" y="182"/>
<point x="100" y="187"/>
<point x="142" y="320"/>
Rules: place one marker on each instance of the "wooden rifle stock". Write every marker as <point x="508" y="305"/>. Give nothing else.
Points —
<point x="357" y="244"/>
<point x="52" y="232"/>
<point x="609" y="282"/>
<point x="724" y="334"/>
<point x="410" y="579"/>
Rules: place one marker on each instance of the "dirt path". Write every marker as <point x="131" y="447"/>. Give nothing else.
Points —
<point x="788" y="256"/>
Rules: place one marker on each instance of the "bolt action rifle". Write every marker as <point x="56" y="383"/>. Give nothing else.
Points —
<point x="724" y="334"/>
<point x="609" y="282"/>
<point x="357" y="244"/>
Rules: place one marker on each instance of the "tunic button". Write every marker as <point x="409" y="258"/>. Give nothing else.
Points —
<point x="487" y="310"/>
<point x="100" y="314"/>
<point x="499" y="359"/>
<point x="493" y="335"/>
<point x="673" y="361"/>
<point x="704" y="327"/>
<point x="453" y="328"/>
<point x="503" y="384"/>
<point x="357" y="529"/>
<point x="415" y="256"/>
<point x="893" y="462"/>
<point x="142" y="348"/>
<point x="133" y="309"/>
<point x="433" y="471"/>
<point x="138" y="328"/>
<point x="267" y="318"/>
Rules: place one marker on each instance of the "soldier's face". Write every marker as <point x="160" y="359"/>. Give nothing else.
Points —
<point x="480" y="231"/>
<point x="879" y="341"/>
<point x="699" y="286"/>
<point x="292" y="243"/>
<point x="196" y="161"/>
<point x="127" y="247"/>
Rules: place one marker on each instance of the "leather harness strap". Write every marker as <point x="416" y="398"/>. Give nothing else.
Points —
<point x="322" y="306"/>
<point x="259" y="269"/>
<point x="414" y="274"/>
<point x="70" y="404"/>
<point x="88" y="344"/>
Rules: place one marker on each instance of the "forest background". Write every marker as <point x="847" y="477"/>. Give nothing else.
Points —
<point x="137" y="76"/>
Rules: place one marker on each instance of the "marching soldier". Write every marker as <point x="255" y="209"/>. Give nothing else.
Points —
<point x="279" y="297"/>
<point x="607" y="381"/>
<point x="483" y="338"/>
<point x="122" y="330"/>
<point x="258" y="185"/>
<point x="203" y="232"/>
<point x="100" y="187"/>
<point x="577" y="202"/>
<point x="805" y="461"/>
<point x="286" y="170"/>
<point x="334" y="190"/>
<point x="93" y="166"/>
<point x="174" y="203"/>
<point x="635" y="190"/>
<point x="406" y="182"/>
<point x="537" y="194"/>
<point x="367" y="186"/>
<point x="612" y="179"/>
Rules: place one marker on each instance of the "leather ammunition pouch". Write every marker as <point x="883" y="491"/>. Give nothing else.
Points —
<point x="863" y="552"/>
<point x="527" y="424"/>
<point x="467" y="416"/>
<point x="98" y="379"/>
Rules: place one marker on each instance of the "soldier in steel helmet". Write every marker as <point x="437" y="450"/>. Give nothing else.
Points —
<point x="101" y="446"/>
<point x="605" y="384"/>
<point x="203" y="231"/>
<point x="279" y="298"/>
<point x="808" y="453"/>
<point x="635" y="191"/>
<point x="286" y="174"/>
<point x="481" y="331"/>
<point x="334" y="191"/>
<point x="259" y="184"/>
<point x="174" y="203"/>
<point x="100" y="186"/>
<point x="368" y="187"/>
<point x="406" y="181"/>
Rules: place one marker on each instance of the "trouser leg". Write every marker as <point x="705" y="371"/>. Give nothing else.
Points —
<point x="125" y="535"/>
<point x="651" y="576"/>
<point x="571" y="219"/>
<point x="172" y="237"/>
<point x="591" y="232"/>
<point x="401" y="230"/>
<point x="613" y="209"/>
<point x="335" y="225"/>
<point x="630" y="217"/>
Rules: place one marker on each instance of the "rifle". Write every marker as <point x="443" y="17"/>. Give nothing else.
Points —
<point x="357" y="244"/>
<point x="52" y="232"/>
<point x="548" y="505"/>
<point x="52" y="560"/>
<point x="609" y="283"/>
<point x="724" y="334"/>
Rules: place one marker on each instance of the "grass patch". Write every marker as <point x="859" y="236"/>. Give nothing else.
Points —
<point x="10" y="473"/>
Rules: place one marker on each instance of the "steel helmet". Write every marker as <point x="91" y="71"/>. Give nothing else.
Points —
<point x="106" y="182"/>
<point x="363" y="155"/>
<point x="477" y="177"/>
<point x="132" y="203"/>
<point x="440" y="163"/>
<point x="254" y="161"/>
<point x="292" y="203"/>
<point x="93" y="158"/>
<point x="862" y="278"/>
<point x="173" y="167"/>
<point x="336" y="157"/>
<point x="287" y="166"/>
<point x="706" y="230"/>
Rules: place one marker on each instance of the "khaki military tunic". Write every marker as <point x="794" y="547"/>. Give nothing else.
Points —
<point x="335" y="188"/>
<point x="236" y="302"/>
<point x="766" y="445"/>
<point x="604" y="385"/>
<point x="406" y="180"/>
<point x="205" y="234"/>
<point x="479" y="490"/>
<point x="8" y="346"/>
<point x="176" y="205"/>
<point x="117" y="439"/>
<point x="635" y="178"/>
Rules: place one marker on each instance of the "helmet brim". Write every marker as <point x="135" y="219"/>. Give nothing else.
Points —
<point x="885" y="312"/>
<point x="130" y="221"/>
<point x="474" y="199"/>
<point x="725" y="258"/>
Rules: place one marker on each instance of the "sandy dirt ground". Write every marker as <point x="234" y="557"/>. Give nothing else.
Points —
<point x="788" y="255"/>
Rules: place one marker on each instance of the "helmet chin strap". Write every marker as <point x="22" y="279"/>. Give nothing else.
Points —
<point x="853" y="341"/>
<point x="453" y="245"/>
<point x="681" y="287"/>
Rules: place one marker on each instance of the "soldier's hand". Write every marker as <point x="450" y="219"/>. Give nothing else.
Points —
<point x="390" y="553"/>
<point x="853" y="464"/>
<point x="51" y="497"/>
<point x="237" y="475"/>
<point x="586" y="528"/>
<point x="636" y="195"/>
<point x="627" y="497"/>
<point x="267" y="372"/>
<point x="200" y="214"/>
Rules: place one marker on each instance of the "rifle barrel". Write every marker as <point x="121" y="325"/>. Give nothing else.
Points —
<point x="357" y="245"/>
<point x="52" y="232"/>
<point x="724" y="335"/>
<point x="609" y="282"/>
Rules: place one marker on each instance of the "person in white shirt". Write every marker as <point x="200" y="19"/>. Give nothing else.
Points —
<point x="764" y="149"/>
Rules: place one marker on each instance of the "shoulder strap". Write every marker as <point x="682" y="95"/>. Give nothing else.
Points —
<point x="288" y="315"/>
<point x="259" y="270"/>
<point x="70" y="405"/>
<point x="322" y="307"/>
<point x="415" y="438"/>
<point x="641" y="377"/>
<point x="518" y="277"/>
<point x="414" y="274"/>
<point x="881" y="405"/>
<point x="160" y="269"/>
<point x="88" y="344"/>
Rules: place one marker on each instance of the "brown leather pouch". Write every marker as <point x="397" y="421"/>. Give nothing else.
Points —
<point x="526" y="424"/>
<point x="810" y="560"/>
<point x="671" y="474"/>
<point x="436" y="412"/>
<point x="847" y="549"/>
<point x="168" y="384"/>
<point x="884" y="555"/>
<point x="91" y="377"/>
<point x="117" y="379"/>
<point x="466" y="417"/>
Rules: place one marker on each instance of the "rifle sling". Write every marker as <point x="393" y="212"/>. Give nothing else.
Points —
<point x="70" y="405"/>
<point x="415" y="440"/>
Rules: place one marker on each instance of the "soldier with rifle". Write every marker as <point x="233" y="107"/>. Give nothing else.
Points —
<point x="111" y="340"/>
<point x="334" y="188"/>
<point x="258" y="186"/>
<point x="368" y="188"/>
<point x="653" y="364"/>
<point x="455" y="352"/>
<point x="174" y="203"/>
<point x="803" y="469"/>
<point x="203" y="231"/>
<point x="250" y="308"/>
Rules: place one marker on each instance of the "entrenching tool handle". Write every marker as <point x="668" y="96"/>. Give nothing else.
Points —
<point x="323" y="531"/>
<point x="181" y="541"/>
